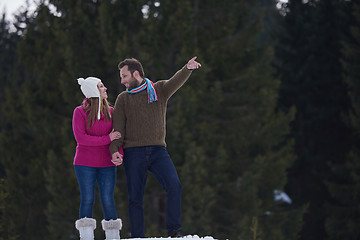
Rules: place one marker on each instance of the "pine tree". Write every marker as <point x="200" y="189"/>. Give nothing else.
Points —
<point x="35" y="123"/>
<point x="8" y="41"/>
<point x="226" y="130"/>
<point x="77" y="41"/>
<point x="14" y="147"/>
<point x="344" y="214"/>
<point x="7" y="61"/>
<point x="307" y="60"/>
<point x="257" y="136"/>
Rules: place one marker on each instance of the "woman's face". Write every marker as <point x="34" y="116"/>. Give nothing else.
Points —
<point x="102" y="89"/>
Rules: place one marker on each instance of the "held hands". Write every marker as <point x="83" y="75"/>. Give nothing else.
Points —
<point x="192" y="64"/>
<point x="117" y="158"/>
<point x="114" y="135"/>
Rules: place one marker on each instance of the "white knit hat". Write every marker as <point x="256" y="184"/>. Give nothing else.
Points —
<point x="89" y="89"/>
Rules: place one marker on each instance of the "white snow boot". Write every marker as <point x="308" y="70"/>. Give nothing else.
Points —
<point x="86" y="227"/>
<point x="112" y="228"/>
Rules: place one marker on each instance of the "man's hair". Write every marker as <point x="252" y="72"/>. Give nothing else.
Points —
<point x="133" y="65"/>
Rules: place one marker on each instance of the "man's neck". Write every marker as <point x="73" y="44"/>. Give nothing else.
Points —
<point x="139" y="81"/>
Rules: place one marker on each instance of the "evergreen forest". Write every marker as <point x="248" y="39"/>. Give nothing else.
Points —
<point x="274" y="110"/>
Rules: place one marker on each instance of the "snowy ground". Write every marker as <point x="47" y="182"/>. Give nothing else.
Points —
<point x="185" y="237"/>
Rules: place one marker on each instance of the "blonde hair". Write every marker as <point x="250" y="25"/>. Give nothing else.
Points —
<point x="91" y="108"/>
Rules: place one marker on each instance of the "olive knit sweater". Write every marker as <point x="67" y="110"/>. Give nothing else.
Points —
<point x="142" y="123"/>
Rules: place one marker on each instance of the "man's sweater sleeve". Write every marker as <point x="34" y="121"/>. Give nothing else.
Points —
<point x="118" y="118"/>
<point x="175" y="82"/>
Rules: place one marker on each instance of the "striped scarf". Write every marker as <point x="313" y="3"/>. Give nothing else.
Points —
<point x="152" y="95"/>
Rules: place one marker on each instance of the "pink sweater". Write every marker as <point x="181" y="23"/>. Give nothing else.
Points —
<point x="92" y="144"/>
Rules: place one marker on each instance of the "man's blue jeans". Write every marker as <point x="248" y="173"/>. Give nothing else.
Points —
<point x="105" y="178"/>
<point x="137" y="162"/>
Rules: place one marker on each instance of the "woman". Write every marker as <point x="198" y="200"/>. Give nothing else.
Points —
<point x="93" y="131"/>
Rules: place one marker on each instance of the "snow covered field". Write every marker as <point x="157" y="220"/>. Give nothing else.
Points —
<point x="185" y="237"/>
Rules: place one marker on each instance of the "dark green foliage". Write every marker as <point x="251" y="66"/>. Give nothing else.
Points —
<point x="308" y="57"/>
<point x="344" y="213"/>
<point x="233" y="146"/>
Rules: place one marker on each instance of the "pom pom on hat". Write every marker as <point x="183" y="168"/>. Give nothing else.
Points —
<point x="89" y="86"/>
<point x="90" y="89"/>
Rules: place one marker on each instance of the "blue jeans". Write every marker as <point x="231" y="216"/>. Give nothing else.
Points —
<point x="137" y="162"/>
<point x="105" y="178"/>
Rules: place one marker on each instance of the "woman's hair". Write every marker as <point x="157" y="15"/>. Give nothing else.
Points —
<point x="91" y="105"/>
<point x="133" y="65"/>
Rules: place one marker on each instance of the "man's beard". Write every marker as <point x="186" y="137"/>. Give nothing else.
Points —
<point x="133" y="83"/>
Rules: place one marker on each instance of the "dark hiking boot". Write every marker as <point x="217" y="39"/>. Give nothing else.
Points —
<point x="175" y="234"/>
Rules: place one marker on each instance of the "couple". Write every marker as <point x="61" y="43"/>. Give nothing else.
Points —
<point x="134" y="130"/>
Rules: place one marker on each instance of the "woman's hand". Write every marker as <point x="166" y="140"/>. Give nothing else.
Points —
<point x="114" y="135"/>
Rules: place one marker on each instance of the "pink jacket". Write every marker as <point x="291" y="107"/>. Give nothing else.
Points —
<point x="92" y="144"/>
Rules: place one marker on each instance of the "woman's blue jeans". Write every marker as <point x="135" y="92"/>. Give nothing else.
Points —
<point x="137" y="162"/>
<point x="105" y="178"/>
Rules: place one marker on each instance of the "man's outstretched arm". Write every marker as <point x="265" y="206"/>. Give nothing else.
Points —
<point x="175" y="82"/>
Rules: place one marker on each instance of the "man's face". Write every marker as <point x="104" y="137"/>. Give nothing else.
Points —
<point x="127" y="78"/>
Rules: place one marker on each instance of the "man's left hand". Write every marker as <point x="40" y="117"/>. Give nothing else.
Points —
<point x="192" y="64"/>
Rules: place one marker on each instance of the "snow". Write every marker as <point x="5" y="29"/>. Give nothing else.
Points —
<point x="281" y="196"/>
<point x="185" y="237"/>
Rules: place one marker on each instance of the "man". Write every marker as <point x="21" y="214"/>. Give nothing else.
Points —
<point x="140" y="116"/>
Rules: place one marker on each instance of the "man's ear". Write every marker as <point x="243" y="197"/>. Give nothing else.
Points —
<point x="136" y="75"/>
